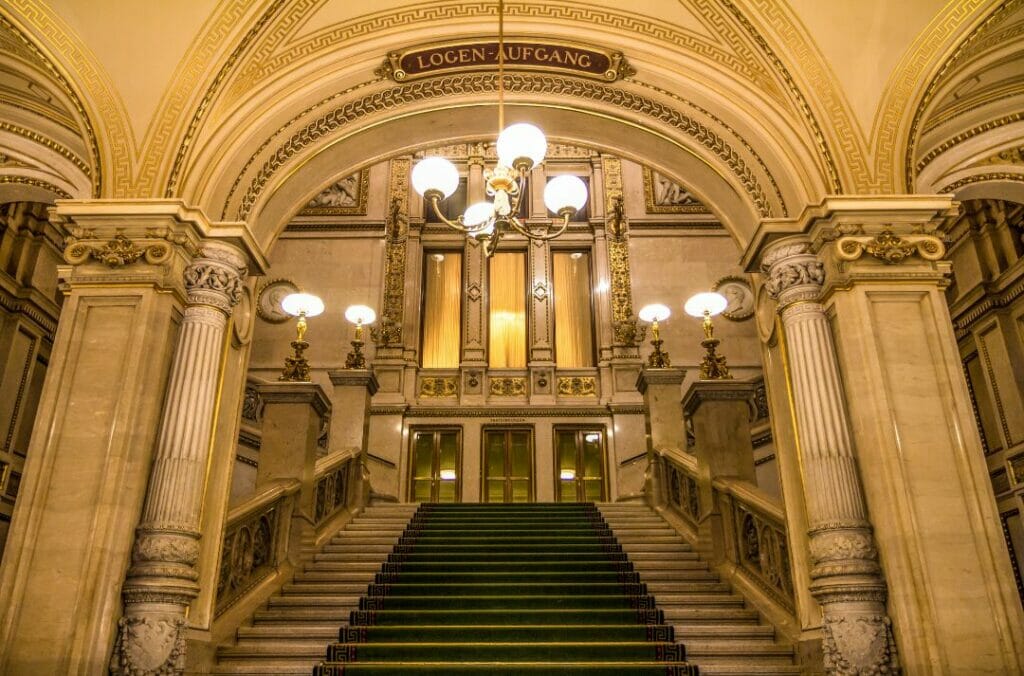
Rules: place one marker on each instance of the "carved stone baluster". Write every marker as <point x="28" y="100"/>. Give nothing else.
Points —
<point x="845" y="574"/>
<point x="161" y="581"/>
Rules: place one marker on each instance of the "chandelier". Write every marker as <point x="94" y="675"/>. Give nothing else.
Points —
<point x="520" y="147"/>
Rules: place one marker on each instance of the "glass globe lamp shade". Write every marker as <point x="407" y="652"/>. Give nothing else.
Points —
<point x="478" y="214"/>
<point x="712" y="302"/>
<point x="521" y="140"/>
<point x="565" y="191"/>
<point x="435" y="173"/>
<point x="655" y="312"/>
<point x="360" y="314"/>
<point x="296" y="304"/>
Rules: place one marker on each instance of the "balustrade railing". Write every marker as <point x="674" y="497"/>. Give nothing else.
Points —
<point x="333" y="475"/>
<point x="254" y="541"/>
<point x="680" y="482"/>
<point x="757" y="542"/>
<point x="753" y="526"/>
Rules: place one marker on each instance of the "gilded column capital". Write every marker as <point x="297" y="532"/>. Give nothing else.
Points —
<point x="793" y="272"/>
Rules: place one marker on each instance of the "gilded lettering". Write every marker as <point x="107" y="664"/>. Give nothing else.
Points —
<point x="450" y="56"/>
<point x="463" y="55"/>
<point x="479" y="54"/>
<point x="556" y="56"/>
<point x="585" y="61"/>
<point x="572" y="58"/>
<point x="542" y="53"/>
<point x="436" y="59"/>
<point x="420" y="63"/>
<point x="513" y="53"/>
<point x="526" y="53"/>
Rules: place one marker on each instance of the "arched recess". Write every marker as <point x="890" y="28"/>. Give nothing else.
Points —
<point x="682" y="111"/>
<point x="969" y="128"/>
<point x="48" y="146"/>
<point x="723" y="170"/>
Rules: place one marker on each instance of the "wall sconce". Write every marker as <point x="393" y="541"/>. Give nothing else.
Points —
<point x="655" y="313"/>
<point x="358" y="315"/>
<point x="707" y="305"/>
<point x="300" y="305"/>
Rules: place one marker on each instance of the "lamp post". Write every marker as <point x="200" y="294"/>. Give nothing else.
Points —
<point x="707" y="305"/>
<point x="301" y="305"/>
<point x="655" y="313"/>
<point x="358" y="315"/>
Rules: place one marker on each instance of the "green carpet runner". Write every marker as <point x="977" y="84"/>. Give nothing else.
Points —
<point x="507" y="589"/>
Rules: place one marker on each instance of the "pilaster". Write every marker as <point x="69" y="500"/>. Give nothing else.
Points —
<point x="133" y="269"/>
<point x="886" y="428"/>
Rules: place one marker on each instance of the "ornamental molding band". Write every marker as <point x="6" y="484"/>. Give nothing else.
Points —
<point x="434" y="387"/>
<point x="318" y="130"/>
<point x="889" y="247"/>
<point x="577" y="386"/>
<point x="534" y="55"/>
<point x="216" y="278"/>
<point x="115" y="253"/>
<point x="512" y="386"/>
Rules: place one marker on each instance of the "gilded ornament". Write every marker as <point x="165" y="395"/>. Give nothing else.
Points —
<point x="890" y="248"/>
<point x="389" y="332"/>
<point x="432" y="387"/>
<point x="577" y="386"/>
<point x="511" y="386"/>
<point x="115" y="253"/>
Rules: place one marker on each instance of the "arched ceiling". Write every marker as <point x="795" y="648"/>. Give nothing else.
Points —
<point x="245" y="108"/>
<point x="970" y="128"/>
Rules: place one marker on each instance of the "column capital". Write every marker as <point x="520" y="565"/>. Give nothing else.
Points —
<point x="701" y="391"/>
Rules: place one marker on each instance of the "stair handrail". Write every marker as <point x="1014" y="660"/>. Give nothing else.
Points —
<point x="753" y="496"/>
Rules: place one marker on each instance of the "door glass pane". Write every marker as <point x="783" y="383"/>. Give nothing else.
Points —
<point x="494" y="449"/>
<point x="592" y="488"/>
<point x="565" y="445"/>
<point x="448" y="467"/>
<point x="423" y="455"/>
<point x="520" y="490"/>
<point x="421" y="490"/>
<point x="592" y="454"/>
<point x="495" y="490"/>
<point x="520" y="454"/>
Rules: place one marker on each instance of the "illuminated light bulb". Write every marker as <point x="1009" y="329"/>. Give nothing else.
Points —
<point x="564" y="192"/>
<point x="435" y="173"/>
<point x="520" y="141"/>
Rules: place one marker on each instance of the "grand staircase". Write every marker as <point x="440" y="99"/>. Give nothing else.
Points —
<point x="507" y="589"/>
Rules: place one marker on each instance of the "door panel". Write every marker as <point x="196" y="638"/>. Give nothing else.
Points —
<point x="436" y="458"/>
<point x="579" y="454"/>
<point x="508" y="465"/>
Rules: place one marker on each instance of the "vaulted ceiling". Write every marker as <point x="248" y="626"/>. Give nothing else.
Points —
<point x="248" y="109"/>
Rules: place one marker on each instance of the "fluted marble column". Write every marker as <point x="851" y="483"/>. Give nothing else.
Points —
<point x="846" y="577"/>
<point x="162" y="579"/>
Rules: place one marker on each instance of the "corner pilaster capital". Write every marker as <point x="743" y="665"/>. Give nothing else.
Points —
<point x="355" y="378"/>
<point x="149" y="242"/>
<point x="672" y="376"/>
<point x="701" y="392"/>
<point x="287" y="392"/>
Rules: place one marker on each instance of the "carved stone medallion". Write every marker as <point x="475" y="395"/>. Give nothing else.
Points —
<point x="738" y="293"/>
<point x="268" y="302"/>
